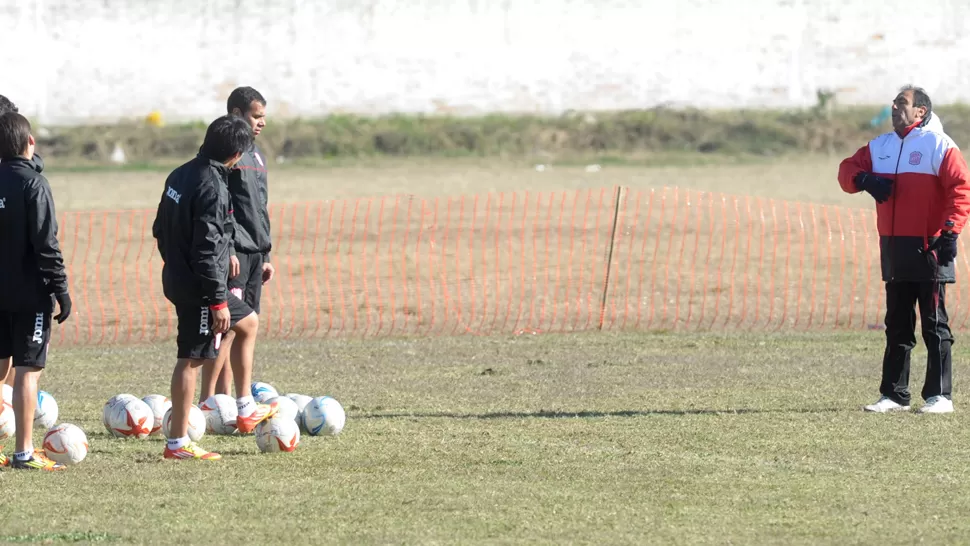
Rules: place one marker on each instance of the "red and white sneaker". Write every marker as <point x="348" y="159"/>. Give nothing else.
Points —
<point x="245" y="425"/>
<point x="191" y="450"/>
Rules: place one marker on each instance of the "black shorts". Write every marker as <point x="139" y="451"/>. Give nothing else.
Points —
<point x="248" y="284"/>
<point x="26" y="337"/>
<point x="195" y="337"/>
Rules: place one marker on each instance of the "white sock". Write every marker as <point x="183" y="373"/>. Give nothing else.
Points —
<point x="178" y="443"/>
<point x="246" y="406"/>
<point x="24" y="455"/>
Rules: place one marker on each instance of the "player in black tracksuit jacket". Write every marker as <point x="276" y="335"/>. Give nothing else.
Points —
<point x="193" y="229"/>
<point x="249" y="192"/>
<point x="6" y="105"/>
<point x="32" y="277"/>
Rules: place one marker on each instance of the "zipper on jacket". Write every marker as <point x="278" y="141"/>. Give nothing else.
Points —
<point x="892" y="224"/>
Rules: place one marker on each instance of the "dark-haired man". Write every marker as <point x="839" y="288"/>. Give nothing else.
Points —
<point x="193" y="228"/>
<point x="32" y="277"/>
<point x="251" y="267"/>
<point x="921" y="185"/>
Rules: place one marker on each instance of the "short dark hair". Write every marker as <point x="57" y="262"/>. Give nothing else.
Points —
<point x="7" y="105"/>
<point x="226" y="137"/>
<point x="920" y="98"/>
<point x="243" y="98"/>
<point x="14" y="135"/>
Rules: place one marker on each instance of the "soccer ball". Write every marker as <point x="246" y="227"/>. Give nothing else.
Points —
<point x="301" y="401"/>
<point x="263" y="392"/>
<point x="220" y="414"/>
<point x="196" y="424"/>
<point x="159" y="405"/>
<point x="66" y="444"/>
<point x="324" y="416"/>
<point x="111" y="403"/>
<point x="7" y="393"/>
<point x="277" y="434"/>
<point x="45" y="414"/>
<point x="8" y="423"/>
<point x="285" y="407"/>
<point x="129" y="418"/>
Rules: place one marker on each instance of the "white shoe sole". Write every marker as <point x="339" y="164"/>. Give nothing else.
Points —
<point x="921" y="410"/>
<point x="870" y="409"/>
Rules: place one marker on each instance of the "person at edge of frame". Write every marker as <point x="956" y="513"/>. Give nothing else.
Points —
<point x="919" y="180"/>
<point x="32" y="278"/>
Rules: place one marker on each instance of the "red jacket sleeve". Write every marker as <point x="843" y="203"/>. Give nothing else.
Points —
<point x="955" y="178"/>
<point x="861" y="161"/>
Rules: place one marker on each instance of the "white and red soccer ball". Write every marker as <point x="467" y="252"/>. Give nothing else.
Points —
<point x="125" y="416"/>
<point x="66" y="444"/>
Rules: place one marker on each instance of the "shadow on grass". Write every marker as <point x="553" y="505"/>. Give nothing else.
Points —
<point x="593" y="414"/>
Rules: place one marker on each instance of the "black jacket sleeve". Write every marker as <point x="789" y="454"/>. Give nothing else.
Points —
<point x="42" y="231"/>
<point x="232" y="236"/>
<point x="209" y="217"/>
<point x="157" y="231"/>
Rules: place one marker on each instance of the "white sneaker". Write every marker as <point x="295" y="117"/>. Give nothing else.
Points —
<point x="885" y="405"/>
<point x="937" y="404"/>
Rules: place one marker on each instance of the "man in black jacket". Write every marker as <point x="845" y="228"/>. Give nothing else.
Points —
<point x="193" y="228"/>
<point x="6" y="105"/>
<point x="32" y="277"/>
<point x="250" y="268"/>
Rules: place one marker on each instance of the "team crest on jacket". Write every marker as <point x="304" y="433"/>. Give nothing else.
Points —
<point x="915" y="158"/>
<point x="260" y="160"/>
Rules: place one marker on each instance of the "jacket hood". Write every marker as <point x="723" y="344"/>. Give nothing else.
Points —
<point x="934" y="125"/>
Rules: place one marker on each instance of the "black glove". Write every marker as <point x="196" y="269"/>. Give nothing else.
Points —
<point x="946" y="248"/>
<point x="64" y="302"/>
<point x="880" y="188"/>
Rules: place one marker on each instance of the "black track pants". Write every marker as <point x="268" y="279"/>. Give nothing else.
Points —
<point x="901" y="301"/>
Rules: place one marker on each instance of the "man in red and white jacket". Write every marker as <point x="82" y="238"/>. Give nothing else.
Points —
<point x="921" y="185"/>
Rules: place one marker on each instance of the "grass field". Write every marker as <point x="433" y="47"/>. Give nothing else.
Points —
<point x="582" y="438"/>
<point x="549" y="439"/>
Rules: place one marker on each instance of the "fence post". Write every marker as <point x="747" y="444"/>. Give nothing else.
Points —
<point x="618" y="193"/>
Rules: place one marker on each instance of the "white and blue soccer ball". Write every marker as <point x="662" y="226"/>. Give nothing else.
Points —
<point x="323" y="416"/>
<point x="45" y="414"/>
<point x="7" y="393"/>
<point x="262" y="392"/>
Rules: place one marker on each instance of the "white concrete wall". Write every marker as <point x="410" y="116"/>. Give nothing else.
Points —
<point x="77" y="61"/>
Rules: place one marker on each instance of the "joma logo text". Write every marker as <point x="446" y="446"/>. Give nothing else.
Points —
<point x="38" y="329"/>
<point x="172" y="194"/>
<point x="204" y="322"/>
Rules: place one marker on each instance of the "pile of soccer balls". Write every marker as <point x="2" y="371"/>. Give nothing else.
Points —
<point x="126" y="416"/>
<point x="65" y="443"/>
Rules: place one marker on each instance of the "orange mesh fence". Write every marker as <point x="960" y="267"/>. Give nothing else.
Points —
<point x="511" y="263"/>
